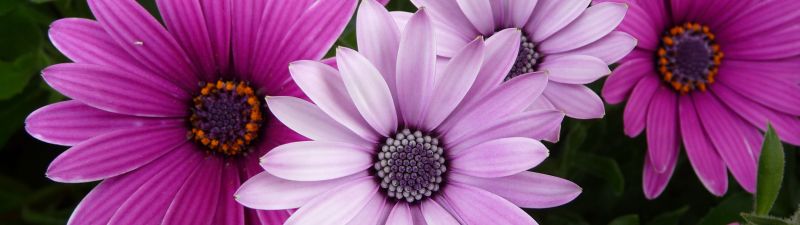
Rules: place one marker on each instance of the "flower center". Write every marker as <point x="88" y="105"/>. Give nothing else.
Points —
<point x="528" y="59"/>
<point x="226" y="117"/>
<point x="410" y="166"/>
<point x="689" y="58"/>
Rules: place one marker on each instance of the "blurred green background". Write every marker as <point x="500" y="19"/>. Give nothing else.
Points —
<point x="595" y="153"/>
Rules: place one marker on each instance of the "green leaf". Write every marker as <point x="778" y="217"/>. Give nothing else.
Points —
<point x="21" y="34"/>
<point x="15" y="110"/>
<point x="12" y="193"/>
<point x="764" y="220"/>
<point x="770" y="173"/>
<point x="728" y="210"/>
<point x="602" y="167"/>
<point x="669" y="218"/>
<point x="631" y="219"/>
<point x="15" y="76"/>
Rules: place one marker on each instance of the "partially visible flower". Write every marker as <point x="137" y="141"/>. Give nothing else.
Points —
<point x="172" y="119"/>
<point x="573" y="42"/>
<point x="379" y="153"/>
<point x="712" y="74"/>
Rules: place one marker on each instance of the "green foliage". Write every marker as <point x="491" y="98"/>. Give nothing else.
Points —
<point x="770" y="173"/>
<point x="626" y="220"/>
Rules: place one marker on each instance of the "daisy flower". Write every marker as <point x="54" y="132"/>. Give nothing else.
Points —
<point x="172" y="120"/>
<point x="378" y="153"/>
<point x="712" y="75"/>
<point x="575" y="43"/>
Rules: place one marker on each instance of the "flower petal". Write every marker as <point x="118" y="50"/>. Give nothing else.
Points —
<point x="316" y="160"/>
<point x="498" y="158"/>
<point x="117" y="91"/>
<point x="787" y="126"/>
<point x="378" y="39"/>
<point x="196" y="202"/>
<point x="479" y="13"/>
<point x="400" y="215"/>
<point x="635" y="112"/>
<point x="663" y="140"/>
<point x="136" y="31"/>
<point x="575" y="100"/>
<point x="308" y="120"/>
<point x="610" y="48"/>
<point x="501" y="53"/>
<point x="220" y="26"/>
<point x="454" y="84"/>
<point x="619" y="84"/>
<point x="550" y="16"/>
<point x="526" y="189"/>
<point x="115" y="153"/>
<point x="520" y="11"/>
<point x="593" y="24"/>
<point x="186" y="22"/>
<point x="539" y="125"/>
<point x="654" y="182"/>
<point x="273" y="21"/>
<point x="368" y="90"/>
<point x="337" y="206"/>
<point x="475" y="206"/>
<point x="435" y="214"/>
<point x="375" y="212"/>
<point x="228" y="210"/>
<point x="705" y="160"/>
<point x="777" y="93"/>
<point x="246" y="18"/>
<point x="416" y="66"/>
<point x="268" y="192"/>
<point x="575" y="69"/>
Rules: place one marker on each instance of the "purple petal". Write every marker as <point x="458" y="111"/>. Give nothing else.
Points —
<point x="729" y="139"/>
<point x="186" y="23"/>
<point x="454" y="84"/>
<point x="246" y="18"/>
<point x="654" y="182"/>
<point x="400" y="215"/>
<point x="369" y="91"/>
<point x="663" y="140"/>
<point x="316" y="160"/>
<point x="325" y="87"/>
<point x="446" y="14"/>
<point x="636" y="109"/>
<point x="575" y="69"/>
<point x="308" y="120"/>
<point x="476" y="206"/>
<point x="115" y="153"/>
<point x="117" y="91"/>
<point x="71" y="122"/>
<point x="104" y="200"/>
<point x="228" y="211"/>
<point x="273" y="216"/>
<point x="147" y="206"/>
<point x="550" y="16"/>
<point x="337" y="206"/>
<point x="378" y="40"/>
<point x="610" y="48"/>
<point x="787" y="126"/>
<point x="416" y="64"/>
<point x="638" y="22"/>
<point x="776" y="93"/>
<point x="136" y="31"/>
<point x="539" y="125"/>
<point x="220" y="24"/>
<point x="268" y="192"/>
<point x="479" y="13"/>
<point x="520" y="11"/>
<point x="619" y="84"/>
<point x="196" y="202"/>
<point x="376" y="211"/>
<point x="526" y="189"/>
<point x="501" y="52"/>
<point x="575" y="100"/>
<point x="593" y="24"/>
<point x="498" y="158"/>
<point x="435" y="214"/>
<point x="707" y="164"/>
<point x="273" y="23"/>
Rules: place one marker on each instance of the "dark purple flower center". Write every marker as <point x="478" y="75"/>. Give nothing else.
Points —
<point x="689" y="58"/>
<point x="528" y="59"/>
<point x="226" y="117"/>
<point x="410" y="165"/>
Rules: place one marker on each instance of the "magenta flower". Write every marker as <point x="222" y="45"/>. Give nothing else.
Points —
<point x="167" y="149"/>
<point x="573" y="43"/>
<point x="379" y="153"/>
<point x="713" y="74"/>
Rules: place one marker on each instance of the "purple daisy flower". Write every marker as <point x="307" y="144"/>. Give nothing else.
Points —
<point x="690" y="79"/>
<point x="575" y="44"/>
<point x="172" y="119"/>
<point x="379" y="154"/>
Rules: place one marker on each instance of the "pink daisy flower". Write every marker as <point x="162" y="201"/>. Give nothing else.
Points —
<point x="711" y="74"/>
<point x="573" y="43"/>
<point x="379" y="153"/>
<point x="172" y="119"/>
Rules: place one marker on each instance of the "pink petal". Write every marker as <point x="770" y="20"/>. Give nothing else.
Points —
<point x="228" y="210"/>
<point x="498" y="158"/>
<point x="654" y="182"/>
<point x="435" y="214"/>
<point x="316" y="160"/>
<point x="273" y="216"/>
<point x="117" y="91"/>
<point x="368" y="90"/>
<point x="476" y="206"/>
<point x="375" y="212"/>
<point x="268" y="192"/>
<point x="619" y="84"/>
<point x="454" y="84"/>
<point x="446" y="15"/>
<point x="575" y="69"/>
<point x="707" y="164"/>
<point x="610" y="48"/>
<point x="196" y="202"/>
<point x="378" y="38"/>
<point x="400" y="215"/>
<point x="776" y="93"/>
<point x="520" y="11"/>
<point x="539" y="125"/>
<point x="136" y="31"/>
<point x="311" y="122"/>
<point x="526" y="189"/>
<point x="325" y="87"/>
<point x="575" y="100"/>
<point x="337" y="206"/>
<point x="71" y="122"/>
<point x="663" y="140"/>
<point x="246" y="18"/>
<point x="593" y="24"/>
<point x="273" y="21"/>
<point x="501" y="52"/>
<point x="186" y="22"/>
<point x="550" y="16"/>
<point x="479" y="13"/>
<point x="416" y="63"/>
<point x="220" y="25"/>
<point x="115" y="153"/>
<point x="636" y="110"/>
<point x="787" y="126"/>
